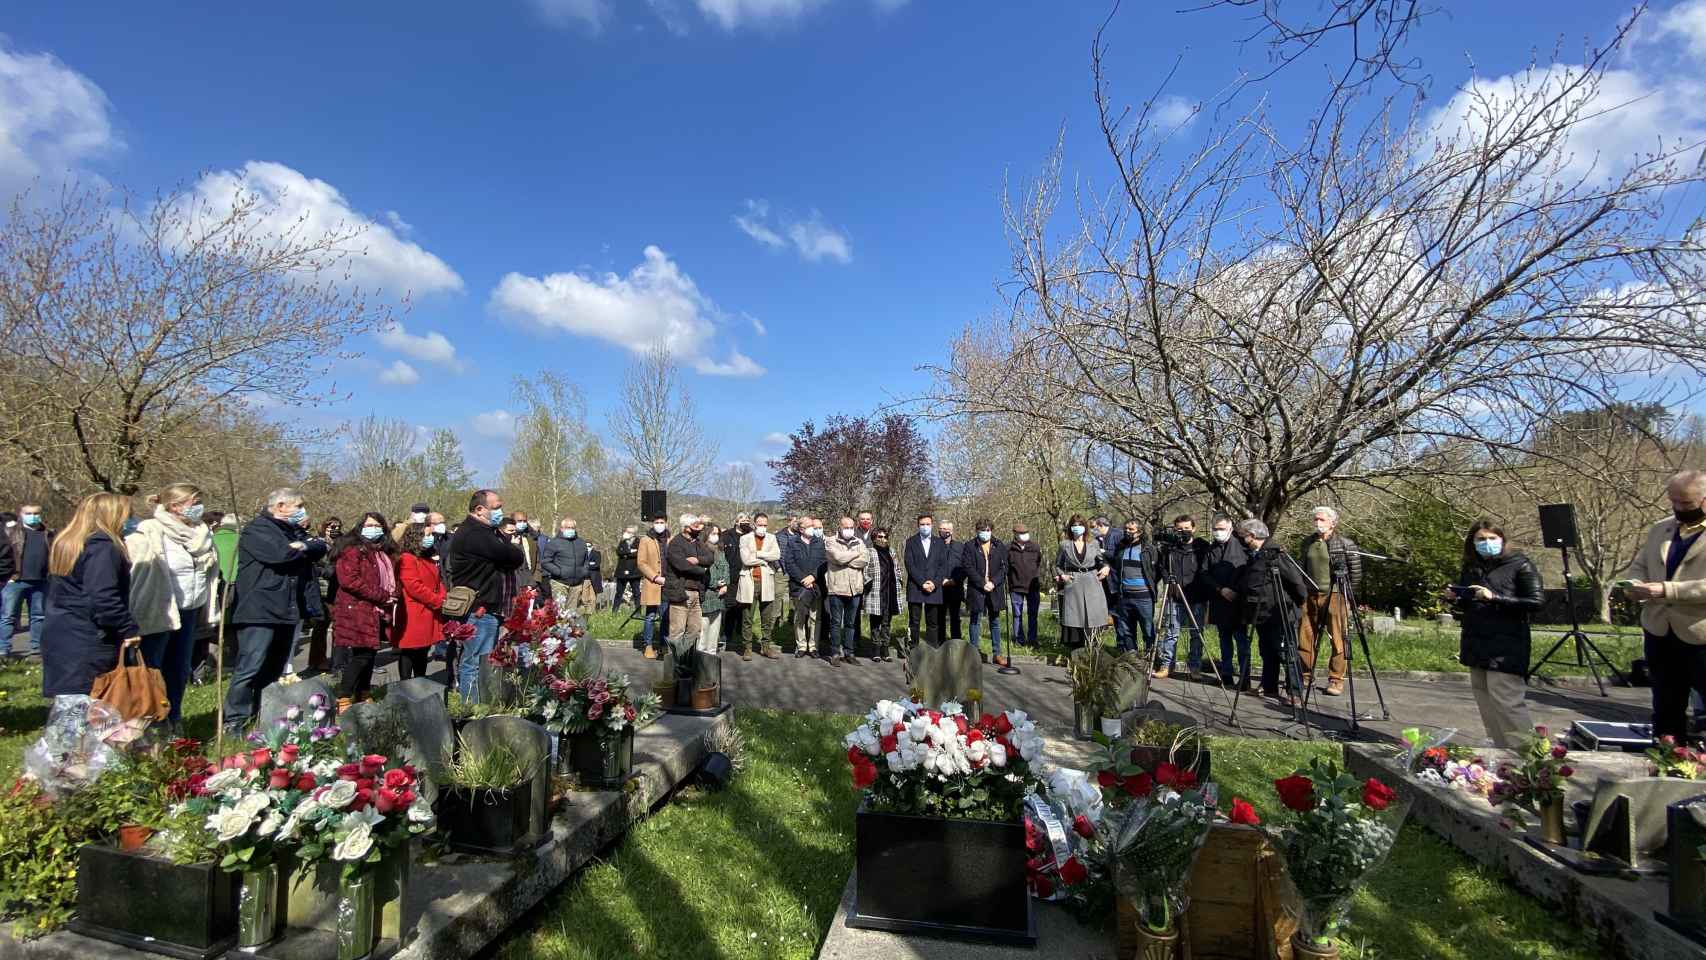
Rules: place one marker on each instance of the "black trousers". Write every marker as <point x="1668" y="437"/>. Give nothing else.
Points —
<point x="932" y="613"/>
<point x="1677" y="669"/>
<point x="1269" y="634"/>
<point x="952" y="598"/>
<point x="622" y="587"/>
<point x="412" y="663"/>
<point x="357" y="672"/>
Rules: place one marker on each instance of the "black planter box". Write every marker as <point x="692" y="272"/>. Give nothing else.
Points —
<point x="496" y="822"/>
<point x="149" y="903"/>
<point x="586" y="758"/>
<point x="1150" y="755"/>
<point x="961" y="878"/>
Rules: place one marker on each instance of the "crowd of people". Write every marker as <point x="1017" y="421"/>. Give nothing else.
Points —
<point x="427" y="588"/>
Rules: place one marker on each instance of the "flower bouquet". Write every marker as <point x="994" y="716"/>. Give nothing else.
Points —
<point x="1679" y="761"/>
<point x="598" y="713"/>
<point x="1336" y="832"/>
<point x="1535" y="782"/>
<point x="938" y="763"/>
<point x="1153" y="846"/>
<point x="1063" y="858"/>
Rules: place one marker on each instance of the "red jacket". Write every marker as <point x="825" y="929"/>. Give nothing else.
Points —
<point x="361" y="605"/>
<point x="423" y="594"/>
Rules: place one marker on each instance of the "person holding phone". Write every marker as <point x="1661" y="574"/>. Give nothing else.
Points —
<point x="1668" y="579"/>
<point x="1496" y="592"/>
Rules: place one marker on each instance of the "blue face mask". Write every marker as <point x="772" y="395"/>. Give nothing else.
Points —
<point x="300" y="517"/>
<point x="924" y="530"/>
<point x="984" y="535"/>
<point x="371" y="534"/>
<point x="520" y="525"/>
<point x="32" y="519"/>
<point x="1489" y="548"/>
<point x="1077" y="531"/>
<point x="497" y="516"/>
<point x="426" y="541"/>
<point x="192" y="513"/>
<point x="569" y="534"/>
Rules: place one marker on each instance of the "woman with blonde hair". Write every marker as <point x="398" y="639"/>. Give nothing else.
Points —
<point x="172" y="563"/>
<point x="88" y="598"/>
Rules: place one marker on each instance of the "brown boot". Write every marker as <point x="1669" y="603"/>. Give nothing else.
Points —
<point x="650" y="654"/>
<point x="1335" y="687"/>
<point x="771" y="652"/>
<point x="746" y="653"/>
<point x="1161" y="673"/>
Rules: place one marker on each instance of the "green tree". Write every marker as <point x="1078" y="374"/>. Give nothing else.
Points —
<point x="1425" y="534"/>
<point x="554" y="456"/>
<point x="444" y="473"/>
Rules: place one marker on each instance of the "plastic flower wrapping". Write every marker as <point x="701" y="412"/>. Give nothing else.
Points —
<point x="1061" y="822"/>
<point x="938" y="762"/>
<point x="1154" y="842"/>
<point x="1336" y="831"/>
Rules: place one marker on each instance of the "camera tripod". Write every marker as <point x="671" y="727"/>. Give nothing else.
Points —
<point x="1342" y="587"/>
<point x="1288" y="655"/>
<point x="1173" y="599"/>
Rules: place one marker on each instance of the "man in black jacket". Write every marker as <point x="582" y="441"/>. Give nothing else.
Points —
<point x="734" y="612"/>
<point x="983" y="562"/>
<point x="565" y="563"/>
<point x="1183" y="563"/>
<point x="275" y="592"/>
<point x="953" y="584"/>
<point x="30" y="539"/>
<point x="804" y="562"/>
<point x="1220" y="566"/>
<point x="1024" y="585"/>
<point x="627" y="574"/>
<point x="687" y="561"/>
<point x="1262" y="606"/>
<point x="483" y="560"/>
<point x="928" y="560"/>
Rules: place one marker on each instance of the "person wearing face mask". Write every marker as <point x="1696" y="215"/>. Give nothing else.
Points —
<point x="713" y="602"/>
<point x="805" y="563"/>
<point x="687" y="575"/>
<point x="485" y="562"/>
<point x="760" y="552"/>
<point x="627" y="568"/>
<point x="733" y="613"/>
<point x="650" y="559"/>
<point x="565" y="563"/>
<point x="417" y="514"/>
<point x="172" y="564"/>
<point x="1265" y="609"/>
<point x="953" y="583"/>
<point x="844" y="587"/>
<point x="863" y="526"/>
<point x="326" y="577"/>
<point x="1024" y="585"/>
<point x="1324" y="554"/>
<point x="420" y="623"/>
<point x="275" y="591"/>
<point x="1668" y="579"/>
<point x="1081" y="571"/>
<point x="1496" y="592"/>
<point x="927" y="561"/>
<point x="1220" y="565"/>
<point x="31" y="540"/>
<point x="983" y="561"/>
<point x="364" y="611"/>
<point x="527" y="535"/>
<point x="885" y="592"/>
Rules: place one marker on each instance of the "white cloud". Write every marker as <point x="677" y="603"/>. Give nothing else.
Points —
<point x="813" y="239"/>
<point x="497" y="424"/>
<point x="52" y="119"/>
<point x="1687" y="21"/>
<point x="432" y="347"/>
<point x="777" y="440"/>
<point x="1173" y="113"/>
<point x="289" y="202"/>
<point x="758" y="326"/>
<point x="655" y="303"/>
<point x="730" y="14"/>
<point x="399" y="374"/>
<point x="591" y="14"/>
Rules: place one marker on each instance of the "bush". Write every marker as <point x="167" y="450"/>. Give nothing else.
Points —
<point x="1428" y="536"/>
<point x="39" y="841"/>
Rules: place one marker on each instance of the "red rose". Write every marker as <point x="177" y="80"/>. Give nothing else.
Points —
<point x="397" y="778"/>
<point x="960" y="722"/>
<point x="1566" y="771"/>
<point x="349" y="771"/>
<point x="388" y="800"/>
<point x="279" y="779"/>
<point x="1166" y="774"/>
<point x="1107" y="778"/>
<point x="305" y="782"/>
<point x="864" y="774"/>
<point x="855" y="756"/>
<point x="1559" y="753"/>
<point x="1082" y="826"/>
<point x="1072" y="872"/>
<point x="1043" y="885"/>
<point x="372" y="764"/>
<point x="1141" y="785"/>
<point x="974" y="735"/>
<point x="1003" y="726"/>
<point x="1033" y="838"/>
<point x="1297" y="792"/>
<point x="1187" y="780"/>
<point x="408" y="797"/>
<point x="1242" y="812"/>
<point x="261" y="757"/>
<point x="889" y="744"/>
<point x="289" y="752"/>
<point x="1376" y="795"/>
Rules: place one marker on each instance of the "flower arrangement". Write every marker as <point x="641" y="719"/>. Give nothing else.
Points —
<point x="1679" y="761"/>
<point x="908" y="759"/>
<point x="604" y="704"/>
<point x="1336" y="832"/>
<point x="1154" y="844"/>
<point x="1536" y="779"/>
<point x="1123" y="779"/>
<point x="368" y="808"/>
<point x="1063" y="860"/>
<point x="1469" y="775"/>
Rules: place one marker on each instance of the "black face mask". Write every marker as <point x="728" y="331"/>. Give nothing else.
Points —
<point x="1691" y="516"/>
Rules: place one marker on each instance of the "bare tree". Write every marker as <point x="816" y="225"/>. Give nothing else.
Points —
<point x="736" y="486"/>
<point x="382" y="466"/>
<point x="1259" y="322"/>
<point x="554" y="455"/>
<point x="126" y="326"/>
<point x="657" y="426"/>
<point x="1374" y="30"/>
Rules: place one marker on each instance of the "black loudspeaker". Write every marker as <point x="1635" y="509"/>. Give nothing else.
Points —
<point x="654" y="503"/>
<point x="1558" y="524"/>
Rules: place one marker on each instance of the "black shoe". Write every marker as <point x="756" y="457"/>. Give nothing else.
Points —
<point x="834" y="661"/>
<point x="850" y="659"/>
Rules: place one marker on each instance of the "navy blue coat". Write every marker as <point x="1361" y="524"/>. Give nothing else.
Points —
<point x="803" y="558"/>
<point x="88" y="615"/>
<point x="934" y="568"/>
<point x="275" y="581"/>
<point x="976" y="573"/>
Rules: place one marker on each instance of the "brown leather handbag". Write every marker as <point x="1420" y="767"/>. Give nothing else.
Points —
<point x="133" y="690"/>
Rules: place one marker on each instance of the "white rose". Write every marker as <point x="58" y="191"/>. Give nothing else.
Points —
<point x="419" y="812"/>
<point x="952" y="708"/>
<point x="253" y="804"/>
<point x="228" y="825"/>
<point x="288" y="830"/>
<point x="339" y="795"/>
<point x="355" y="845"/>
<point x="270" y="825"/>
<point x="370" y="817"/>
<point x="228" y="777"/>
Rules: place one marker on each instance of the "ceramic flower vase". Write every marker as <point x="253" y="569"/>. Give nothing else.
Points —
<point x="1156" y="946"/>
<point x="357" y="926"/>
<point x="1552" y="821"/>
<point x="1302" y="949"/>
<point x="257" y="907"/>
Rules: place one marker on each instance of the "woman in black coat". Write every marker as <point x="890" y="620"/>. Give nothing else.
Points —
<point x="885" y="594"/>
<point x="1495" y="594"/>
<point x="88" y="598"/>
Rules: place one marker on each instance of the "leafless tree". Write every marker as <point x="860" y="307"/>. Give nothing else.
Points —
<point x="382" y="465"/>
<point x="128" y="324"/>
<point x="736" y="486"/>
<point x="1257" y="322"/>
<point x="1375" y="32"/>
<point x="657" y="427"/>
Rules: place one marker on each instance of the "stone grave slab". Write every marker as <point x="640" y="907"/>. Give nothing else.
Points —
<point x="278" y="698"/>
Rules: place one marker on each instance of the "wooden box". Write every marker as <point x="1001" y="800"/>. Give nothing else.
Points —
<point x="1237" y="907"/>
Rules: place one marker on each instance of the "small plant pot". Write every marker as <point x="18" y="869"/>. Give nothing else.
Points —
<point x="1083" y="721"/>
<point x="496" y="822"/>
<point x="602" y="764"/>
<point x="1552" y="822"/>
<point x="133" y="836"/>
<point x="1156" y="946"/>
<point x="707" y="698"/>
<point x="1111" y="727"/>
<point x="665" y="693"/>
<point x="1302" y="949"/>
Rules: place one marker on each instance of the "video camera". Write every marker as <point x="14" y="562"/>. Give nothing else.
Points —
<point x="1167" y="536"/>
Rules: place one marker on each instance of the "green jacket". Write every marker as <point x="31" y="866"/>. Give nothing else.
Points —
<point x="225" y="545"/>
<point x="710" y="603"/>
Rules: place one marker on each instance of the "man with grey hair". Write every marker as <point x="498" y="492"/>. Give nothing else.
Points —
<point x="276" y="590"/>
<point x="687" y="572"/>
<point x="1261" y="587"/>
<point x="1668" y="579"/>
<point x="1326" y="556"/>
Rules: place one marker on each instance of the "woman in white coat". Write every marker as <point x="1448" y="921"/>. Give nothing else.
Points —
<point x="172" y="563"/>
<point x="760" y="552"/>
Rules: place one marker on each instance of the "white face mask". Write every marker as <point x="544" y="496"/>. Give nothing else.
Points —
<point x="1322" y="526"/>
<point x="806" y="532"/>
<point x="417" y="518"/>
<point x="1024" y="538"/>
<point x="438" y="528"/>
<point x="1221" y="536"/>
<point x="761" y="529"/>
<point x="569" y="532"/>
<point x="715" y="537"/>
<point x="846" y="533"/>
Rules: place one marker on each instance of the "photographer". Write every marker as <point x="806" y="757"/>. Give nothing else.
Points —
<point x="1496" y="592"/>
<point x="1181" y="560"/>
<point x="1260" y="604"/>
<point x="1325" y="555"/>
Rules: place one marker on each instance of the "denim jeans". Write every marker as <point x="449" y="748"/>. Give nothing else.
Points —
<point x="16" y="592"/>
<point x="169" y="653"/>
<point x="474" y="652"/>
<point x="1024" y="606"/>
<point x="1132" y="613"/>
<point x="1235" y="635"/>
<point x="656" y="625"/>
<point x="843" y="616"/>
<point x="994" y="629"/>
<point x="262" y="649"/>
<point x="1175" y="618"/>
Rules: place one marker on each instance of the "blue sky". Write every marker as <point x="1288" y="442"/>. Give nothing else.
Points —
<point x="802" y="197"/>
